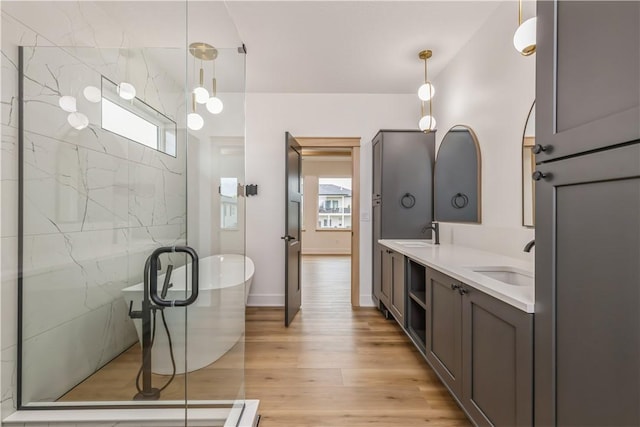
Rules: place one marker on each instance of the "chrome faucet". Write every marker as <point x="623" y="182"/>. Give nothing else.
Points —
<point x="529" y="245"/>
<point x="436" y="231"/>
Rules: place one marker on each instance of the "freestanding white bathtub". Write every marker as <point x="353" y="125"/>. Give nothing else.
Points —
<point x="214" y="322"/>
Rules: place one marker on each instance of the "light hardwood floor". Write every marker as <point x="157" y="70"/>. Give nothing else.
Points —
<point x="334" y="366"/>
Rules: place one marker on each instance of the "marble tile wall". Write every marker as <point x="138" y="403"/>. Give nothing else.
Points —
<point x="95" y="205"/>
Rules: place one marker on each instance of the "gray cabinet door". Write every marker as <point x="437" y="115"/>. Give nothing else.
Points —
<point x="497" y="361"/>
<point x="398" y="293"/>
<point x="587" y="333"/>
<point x="376" y="282"/>
<point x="444" y="329"/>
<point x="407" y="184"/>
<point x="386" y="277"/>
<point x="587" y="75"/>
<point x="377" y="167"/>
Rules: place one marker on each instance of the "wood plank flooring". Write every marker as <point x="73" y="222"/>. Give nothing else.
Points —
<point x="334" y="366"/>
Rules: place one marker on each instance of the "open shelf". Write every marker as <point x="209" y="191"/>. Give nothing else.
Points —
<point x="419" y="297"/>
<point x="417" y="281"/>
<point x="417" y="323"/>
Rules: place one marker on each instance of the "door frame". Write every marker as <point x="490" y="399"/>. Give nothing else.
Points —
<point x="354" y="144"/>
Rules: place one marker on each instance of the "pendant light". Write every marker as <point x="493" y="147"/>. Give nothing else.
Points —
<point x="524" y="39"/>
<point x="194" y="120"/>
<point x="427" y="122"/>
<point x="201" y="94"/>
<point x="206" y="52"/>
<point x="214" y="104"/>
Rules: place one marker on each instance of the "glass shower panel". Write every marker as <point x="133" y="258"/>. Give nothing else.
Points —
<point x="216" y="224"/>
<point x="95" y="205"/>
<point x="110" y="172"/>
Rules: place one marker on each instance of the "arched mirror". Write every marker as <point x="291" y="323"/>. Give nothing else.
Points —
<point x="457" y="177"/>
<point x="528" y="166"/>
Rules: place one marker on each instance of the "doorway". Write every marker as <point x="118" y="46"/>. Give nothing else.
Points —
<point x="331" y="223"/>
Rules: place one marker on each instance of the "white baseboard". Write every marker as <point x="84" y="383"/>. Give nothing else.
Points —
<point x="325" y="251"/>
<point x="366" y="301"/>
<point x="265" y="300"/>
<point x="277" y="300"/>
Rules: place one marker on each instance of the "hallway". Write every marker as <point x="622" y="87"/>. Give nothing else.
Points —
<point x="335" y="366"/>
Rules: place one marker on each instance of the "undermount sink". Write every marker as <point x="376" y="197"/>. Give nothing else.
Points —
<point x="508" y="275"/>
<point x="413" y="244"/>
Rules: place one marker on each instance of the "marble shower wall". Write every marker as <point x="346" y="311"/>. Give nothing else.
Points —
<point x="95" y="205"/>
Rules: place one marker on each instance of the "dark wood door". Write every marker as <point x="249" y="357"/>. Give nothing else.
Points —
<point x="587" y="331"/>
<point x="293" y="202"/>
<point x="497" y="361"/>
<point x="587" y="75"/>
<point x="444" y="328"/>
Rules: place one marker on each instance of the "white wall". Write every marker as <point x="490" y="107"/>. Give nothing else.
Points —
<point x="328" y="241"/>
<point x="490" y="87"/>
<point x="269" y="116"/>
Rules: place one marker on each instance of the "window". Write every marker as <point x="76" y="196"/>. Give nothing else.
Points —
<point x="137" y="121"/>
<point x="334" y="203"/>
<point x="229" y="203"/>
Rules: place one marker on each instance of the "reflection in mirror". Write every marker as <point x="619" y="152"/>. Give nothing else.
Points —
<point x="457" y="177"/>
<point x="528" y="166"/>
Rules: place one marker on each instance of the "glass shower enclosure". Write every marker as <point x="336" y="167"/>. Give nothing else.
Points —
<point x="129" y="168"/>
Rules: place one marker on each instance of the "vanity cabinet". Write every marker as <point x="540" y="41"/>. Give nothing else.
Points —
<point x="393" y="284"/>
<point x="587" y="75"/>
<point x="444" y="328"/>
<point x="482" y="349"/>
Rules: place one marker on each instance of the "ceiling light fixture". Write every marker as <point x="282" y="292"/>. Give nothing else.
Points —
<point x="524" y="39"/>
<point x="427" y="122"/>
<point x="206" y="52"/>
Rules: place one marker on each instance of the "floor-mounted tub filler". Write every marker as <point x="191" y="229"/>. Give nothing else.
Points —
<point x="210" y="326"/>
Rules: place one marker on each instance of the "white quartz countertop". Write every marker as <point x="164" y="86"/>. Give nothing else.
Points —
<point x="459" y="261"/>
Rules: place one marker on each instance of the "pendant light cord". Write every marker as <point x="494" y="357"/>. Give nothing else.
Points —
<point x="519" y="12"/>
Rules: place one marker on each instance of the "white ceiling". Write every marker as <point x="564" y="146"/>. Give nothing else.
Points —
<point x="293" y="46"/>
<point x="351" y="46"/>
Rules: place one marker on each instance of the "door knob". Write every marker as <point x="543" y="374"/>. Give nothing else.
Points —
<point x="537" y="176"/>
<point x="539" y="148"/>
<point x="288" y="238"/>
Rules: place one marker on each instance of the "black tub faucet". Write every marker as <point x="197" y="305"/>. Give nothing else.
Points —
<point x="528" y="246"/>
<point x="436" y="231"/>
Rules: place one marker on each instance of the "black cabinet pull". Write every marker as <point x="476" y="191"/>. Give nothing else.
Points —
<point x="537" y="176"/>
<point x="539" y="148"/>
<point x="463" y="290"/>
<point x="454" y="286"/>
<point x="408" y="201"/>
